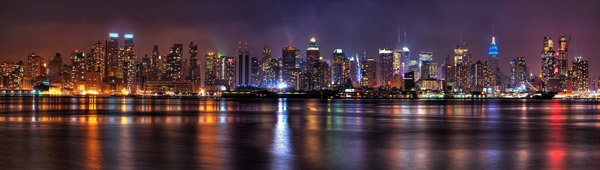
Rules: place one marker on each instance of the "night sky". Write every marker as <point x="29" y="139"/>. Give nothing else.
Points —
<point x="46" y="27"/>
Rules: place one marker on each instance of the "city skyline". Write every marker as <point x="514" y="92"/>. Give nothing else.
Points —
<point x="437" y="30"/>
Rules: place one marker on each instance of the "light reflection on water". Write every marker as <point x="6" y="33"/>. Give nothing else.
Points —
<point x="143" y="133"/>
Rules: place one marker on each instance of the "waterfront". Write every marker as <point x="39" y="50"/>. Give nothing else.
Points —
<point x="214" y="133"/>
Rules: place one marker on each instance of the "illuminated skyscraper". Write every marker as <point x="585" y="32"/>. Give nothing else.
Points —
<point x="386" y="66"/>
<point x="462" y="68"/>
<point x="114" y="64"/>
<point x="269" y="69"/>
<point x="11" y="75"/>
<point x="548" y="70"/>
<point x="211" y="70"/>
<point x="97" y="56"/>
<point x="228" y="72"/>
<point x="493" y="52"/>
<point x="255" y="70"/>
<point x="194" y="62"/>
<point x="78" y="58"/>
<point x="429" y="69"/>
<point x="289" y="72"/>
<point x="580" y="75"/>
<point x="174" y="62"/>
<point x="35" y="71"/>
<point x="337" y="66"/>
<point x="562" y="58"/>
<point x="519" y="72"/>
<point x="243" y="64"/>
<point x="314" y="76"/>
<point x="369" y="73"/>
<point x="155" y="65"/>
<point x="129" y="59"/>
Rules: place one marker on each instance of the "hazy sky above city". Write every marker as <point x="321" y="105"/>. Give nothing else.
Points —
<point x="46" y="27"/>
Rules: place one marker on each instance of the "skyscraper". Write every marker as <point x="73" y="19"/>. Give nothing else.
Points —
<point x="289" y="72"/>
<point x="429" y="69"/>
<point x="519" y="71"/>
<point x="174" y="63"/>
<point x="114" y="66"/>
<point x="54" y="67"/>
<point x="580" y="75"/>
<point x="462" y="68"/>
<point x="269" y="69"/>
<point x="243" y="64"/>
<point x="314" y="75"/>
<point x="79" y="68"/>
<point x="493" y="52"/>
<point x="562" y="63"/>
<point x="386" y="66"/>
<point x="194" y="62"/>
<point x="155" y="65"/>
<point x="129" y="59"/>
<point x="97" y="55"/>
<point x="211" y="70"/>
<point x="255" y="72"/>
<point x="548" y="70"/>
<point x="337" y="64"/>
<point x="369" y="73"/>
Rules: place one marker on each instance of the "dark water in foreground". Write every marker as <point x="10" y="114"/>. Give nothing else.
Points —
<point x="127" y="133"/>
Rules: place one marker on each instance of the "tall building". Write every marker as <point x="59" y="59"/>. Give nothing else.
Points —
<point x="346" y="76"/>
<point x="289" y="72"/>
<point x="519" y="72"/>
<point x="194" y="62"/>
<point x="54" y="68"/>
<point x="462" y="68"/>
<point x="114" y="64"/>
<point x="156" y="69"/>
<point x="562" y="58"/>
<point x="129" y="59"/>
<point x="243" y="64"/>
<point x="314" y="76"/>
<point x="79" y="67"/>
<point x="548" y="70"/>
<point x="174" y="63"/>
<point x="386" y="66"/>
<point x="337" y="64"/>
<point x="97" y="56"/>
<point x="228" y="70"/>
<point x="369" y="73"/>
<point x="255" y="72"/>
<point x="580" y="75"/>
<point x="211" y="70"/>
<point x="429" y="69"/>
<point x="11" y="75"/>
<point x="493" y="52"/>
<point x="269" y="70"/>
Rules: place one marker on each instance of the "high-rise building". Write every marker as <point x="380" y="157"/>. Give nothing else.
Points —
<point x="255" y="69"/>
<point x="174" y="63"/>
<point x="346" y="77"/>
<point x="580" y="75"/>
<point x="11" y="75"/>
<point x="289" y="72"/>
<point x="269" y="69"/>
<point x="462" y="68"/>
<point x="429" y="69"/>
<point x="386" y="66"/>
<point x="129" y="58"/>
<point x="54" y="68"/>
<point x="97" y="56"/>
<point x="228" y="70"/>
<point x="493" y="52"/>
<point x="211" y="70"/>
<point x="518" y="69"/>
<point x="156" y="65"/>
<point x="562" y="58"/>
<point x="314" y="76"/>
<point x="337" y="64"/>
<point x="114" y="64"/>
<point x="194" y="62"/>
<point x="243" y="64"/>
<point x="548" y="70"/>
<point x="79" y="68"/>
<point x="369" y="73"/>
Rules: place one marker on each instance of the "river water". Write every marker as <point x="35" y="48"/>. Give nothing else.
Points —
<point x="212" y="133"/>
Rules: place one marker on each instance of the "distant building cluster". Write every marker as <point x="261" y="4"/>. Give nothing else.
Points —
<point x="109" y="68"/>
